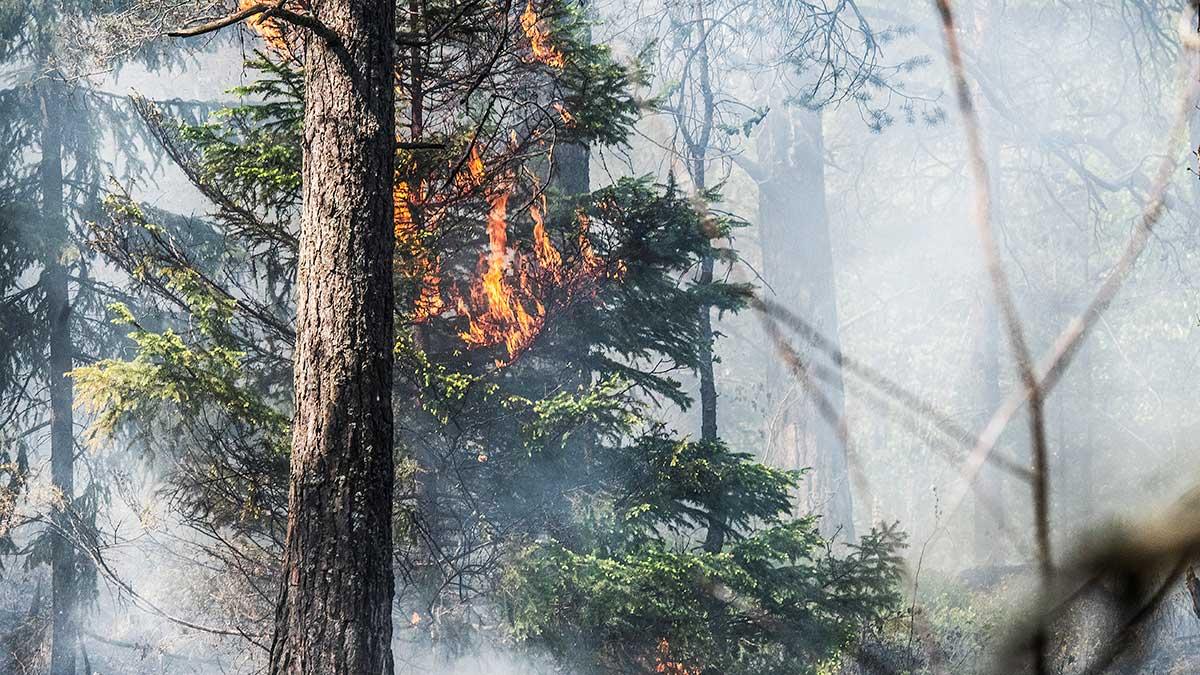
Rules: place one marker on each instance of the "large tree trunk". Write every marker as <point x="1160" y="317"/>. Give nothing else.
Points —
<point x="63" y="563"/>
<point x="798" y="267"/>
<point x="334" y="610"/>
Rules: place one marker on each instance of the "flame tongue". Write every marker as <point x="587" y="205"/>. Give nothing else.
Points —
<point x="417" y="263"/>
<point x="664" y="663"/>
<point x="505" y="317"/>
<point x="267" y="28"/>
<point x="540" y="44"/>
<point x="508" y="305"/>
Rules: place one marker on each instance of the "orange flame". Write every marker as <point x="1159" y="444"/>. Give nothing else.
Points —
<point x="547" y="255"/>
<point x="540" y="44"/>
<point x="664" y="664"/>
<point x="417" y="264"/>
<point x="567" y="118"/>
<point x="508" y="305"/>
<point x="267" y="28"/>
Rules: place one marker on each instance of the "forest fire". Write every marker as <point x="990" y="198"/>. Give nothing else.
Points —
<point x="508" y="303"/>
<point x="267" y="28"/>
<point x="418" y="264"/>
<point x="539" y="39"/>
<point x="664" y="664"/>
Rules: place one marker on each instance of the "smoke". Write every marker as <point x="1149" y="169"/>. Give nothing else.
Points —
<point x="1073" y="105"/>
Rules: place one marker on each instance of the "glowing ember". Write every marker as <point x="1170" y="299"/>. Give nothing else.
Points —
<point x="539" y="39"/>
<point x="664" y="664"/>
<point x="267" y="28"/>
<point x="416" y="264"/>
<point x="508" y="304"/>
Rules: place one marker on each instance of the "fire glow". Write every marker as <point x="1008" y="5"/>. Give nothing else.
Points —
<point x="664" y="663"/>
<point x="417" y="263"/>
<point x="267" y="28"/>
<point x="540" y="44"/>
<point x="514" y="292"/>
<point x="508" y="304"/>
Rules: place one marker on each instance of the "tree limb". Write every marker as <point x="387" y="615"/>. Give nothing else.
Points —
<point x="218" y="24"/>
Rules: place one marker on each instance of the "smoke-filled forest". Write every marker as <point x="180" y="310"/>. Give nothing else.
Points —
<point x="697" y="337"/>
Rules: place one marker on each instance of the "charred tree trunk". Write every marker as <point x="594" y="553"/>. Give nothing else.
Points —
<point x="64" y="561"/>
<point x="798" y="267"/>
<point x="572" y="169"/>
<point x="334" y="608"/>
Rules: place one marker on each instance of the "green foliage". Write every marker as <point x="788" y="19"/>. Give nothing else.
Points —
<point x="550" y="477"/>
<point x="641" y="326"/>
<point x="639" y="599"/>
<point x="252" y="150"/>
<point x="167" y="370"/>
<point x="594" y="88"/>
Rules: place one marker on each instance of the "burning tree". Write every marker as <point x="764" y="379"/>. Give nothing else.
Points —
<point x="538" y="339"/>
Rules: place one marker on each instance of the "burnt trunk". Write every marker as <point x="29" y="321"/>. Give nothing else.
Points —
<point x="798" y="267"/>
<point x="63" y="563"/>
<point x="334" y="609"/>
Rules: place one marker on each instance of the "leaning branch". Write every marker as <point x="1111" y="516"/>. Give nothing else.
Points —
<point x="218" y="24"/>
<point x="278" y="11"/>
<point x="265" y="10"/>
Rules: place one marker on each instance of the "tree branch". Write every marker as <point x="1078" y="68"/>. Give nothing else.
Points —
<point x="218" y="24"/>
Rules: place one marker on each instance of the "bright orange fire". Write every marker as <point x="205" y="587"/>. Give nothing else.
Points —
<point x="267" y="28"/>
<point x="508" y="304"/>
<point x="664" y="664"/>
<point x="540" y="44"/>
<point x="417" y="263"/>
<point x="567" y="118"/>
<point x="475" y="171"/>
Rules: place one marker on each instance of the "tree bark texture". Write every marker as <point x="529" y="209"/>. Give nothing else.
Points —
<point x="798" y="266"/>
<point x="334" y="608"/>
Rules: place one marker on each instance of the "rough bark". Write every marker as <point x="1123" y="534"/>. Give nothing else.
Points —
<point x="798" y="267"/>
<point x="334" y="609"/>
<point x="64" y="561"/>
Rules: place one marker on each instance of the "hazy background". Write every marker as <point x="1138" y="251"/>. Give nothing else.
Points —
<point x="1075" y="103"/>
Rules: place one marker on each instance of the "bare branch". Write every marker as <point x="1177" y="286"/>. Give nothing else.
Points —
<point x="229" y="20"/>
<point x="1052" y="367"/>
